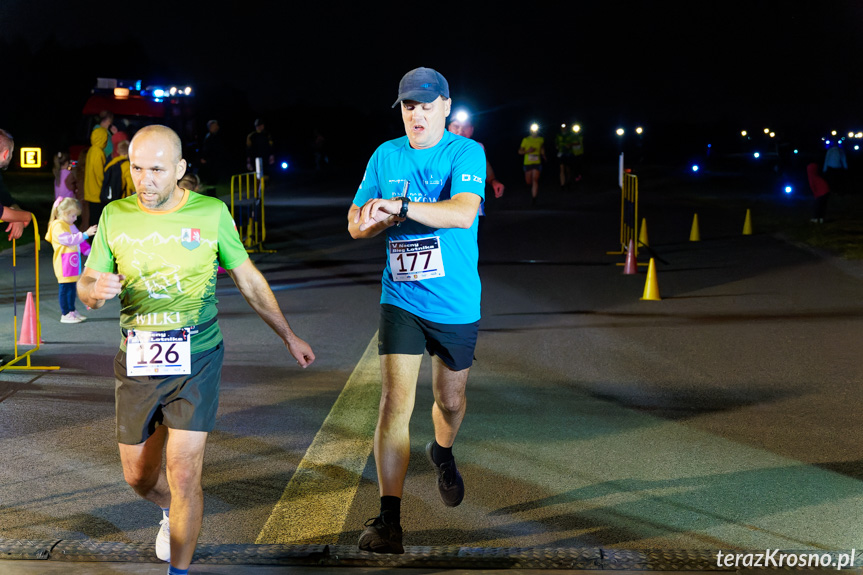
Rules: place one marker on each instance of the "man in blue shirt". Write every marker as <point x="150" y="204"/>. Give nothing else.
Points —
<point x="422" y="191"/>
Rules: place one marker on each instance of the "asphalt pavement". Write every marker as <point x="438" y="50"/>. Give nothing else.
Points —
<point x="722" y="417"/>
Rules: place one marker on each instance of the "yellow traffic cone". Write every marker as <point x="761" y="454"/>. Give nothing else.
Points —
<point x="651" y="287"/>
<point x="747" y="224"/>
<point x="694" y="234"/>
<point x="642" y="235"/>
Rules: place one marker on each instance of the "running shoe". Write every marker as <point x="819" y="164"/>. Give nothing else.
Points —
<point x="163" y="539"/>
<point x="70" y="318"/>
<point x="449" y="481"/>
<point x="381" y="537"/>
<point x="78" y="315"/>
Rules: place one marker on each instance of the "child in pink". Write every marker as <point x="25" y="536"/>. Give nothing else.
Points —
<point x="69" y="246"/>
<point x="64" y="178"/>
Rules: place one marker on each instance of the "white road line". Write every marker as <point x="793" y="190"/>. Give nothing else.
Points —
<point x="315" y="503"/>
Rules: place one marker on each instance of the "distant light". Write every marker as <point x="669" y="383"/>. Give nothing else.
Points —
<point x="576" y="128"/>
<point x="788" y="189"/>
<point x="744" y="133"/>
<point x="121" y="92"/>
<point x="796" y="151"/>
<point x="639" y="130"/>
<point x="756" y="155"/>
<point x="766" y="130"/>
<point x="859" y="135"/>
<point x="694" y="167"/>
<point x="563" y="126"/>
<point x="619" y="131"/>
<point x="173" y="90"/>
<point x="188" y="90"/>
<point x="833" y="133"/>
<point x="158" y="93"/>
<point x="284" y="165"/>
<point x="461" y="116"/>
<point x="772" y="134"/>
<point x="857" y="147"/>
<point x="827" y="142"/>
<point x="534" y="127"/>
<point x="709" y="146"/>
<point x="850" y="134"/>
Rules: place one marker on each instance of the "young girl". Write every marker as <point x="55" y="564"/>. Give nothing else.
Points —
<point x="69" y="245"/>
<point x="64" y="177"/>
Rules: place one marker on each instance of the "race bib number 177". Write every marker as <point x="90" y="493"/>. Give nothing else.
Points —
<point x="415" y="260"/>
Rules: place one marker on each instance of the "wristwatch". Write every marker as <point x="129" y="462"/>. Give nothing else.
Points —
<point x="403" y="213"/>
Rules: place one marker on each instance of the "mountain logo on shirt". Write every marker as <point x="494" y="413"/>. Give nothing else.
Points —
<point x="190" y="238"/>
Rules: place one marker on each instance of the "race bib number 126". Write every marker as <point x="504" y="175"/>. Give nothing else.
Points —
<point x="158" y="352"/>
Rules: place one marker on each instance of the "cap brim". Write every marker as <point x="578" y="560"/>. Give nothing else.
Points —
<point x="421" y="96"/>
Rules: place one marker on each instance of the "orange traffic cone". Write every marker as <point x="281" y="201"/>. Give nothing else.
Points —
<point x="29" y="326"/>
<point x="631" y="266"/>
<point x="694" y="233"/>
<point x="651" y="287"/>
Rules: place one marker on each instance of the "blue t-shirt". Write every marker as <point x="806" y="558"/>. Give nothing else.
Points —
<point x="454" y="166"/>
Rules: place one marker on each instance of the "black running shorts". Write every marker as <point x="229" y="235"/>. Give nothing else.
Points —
<point x="401" y="332"/>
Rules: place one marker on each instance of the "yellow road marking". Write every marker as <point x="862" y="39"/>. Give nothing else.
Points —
<point x="315" y="503"/>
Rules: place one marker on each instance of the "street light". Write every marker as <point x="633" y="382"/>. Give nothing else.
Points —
<point x="744" y="133"/>
<point x="619" y="131"/>
<point x="639" y="130"/>
<point x="576" y="128"/>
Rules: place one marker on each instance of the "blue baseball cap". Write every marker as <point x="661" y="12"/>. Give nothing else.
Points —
<point x="422" y="85"/>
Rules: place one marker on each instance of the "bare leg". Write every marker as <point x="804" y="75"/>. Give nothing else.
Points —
<point x="185" y="460"/>
<point x="142" y="468"/>
<point x="392" y="435"/>
<point x="534" y="183"/>
<point x="450" y="401"/>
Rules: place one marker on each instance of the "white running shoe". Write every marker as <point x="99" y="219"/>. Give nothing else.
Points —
<point x="163" y="539"/>
<point x="70" y="318"/>
<point x="78" y="315"/>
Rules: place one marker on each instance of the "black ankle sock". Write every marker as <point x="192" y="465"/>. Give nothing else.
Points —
<point x="391" y="509"/>
<point x="441" y="454"/>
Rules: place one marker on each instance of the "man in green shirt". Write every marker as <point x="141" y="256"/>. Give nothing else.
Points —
<point x="159" y="251"/>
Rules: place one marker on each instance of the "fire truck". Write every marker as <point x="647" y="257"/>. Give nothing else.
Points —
<point x="135" y="106"/>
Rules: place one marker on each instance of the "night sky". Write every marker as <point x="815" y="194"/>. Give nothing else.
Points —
<point x="336" y="66"/>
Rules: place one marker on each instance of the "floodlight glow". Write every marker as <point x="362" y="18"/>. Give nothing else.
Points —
<point x="859" y="135"/>
<point x="576" y="128"/>
<point x="284" y="165"/>
<point x="158" y="93"/>
<point x="173" y="90"/>
<point x="796" y="151"/>
<point x="619" y="131"/>
<point x="772" y="134"/>
<point x="188" y="90"/>
<point x="744" y="133"/>
<point x="857" y="147"/>
<point x="827" y="142"/>
<point x="694" y="167"/>
<point x="756" y="155"/>
<point x="766" y="130"/>
<point x="850" y="134"/>
<point x="563" y="126"/>
<point x="461" y="116"/>
<point x="534" y="127"/>
<point x="788" y="189"/>
<point x="833" y="133"/>
<point x="639" y="130"/>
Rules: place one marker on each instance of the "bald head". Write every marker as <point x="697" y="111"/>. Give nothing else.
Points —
<point x="162" y="137"/>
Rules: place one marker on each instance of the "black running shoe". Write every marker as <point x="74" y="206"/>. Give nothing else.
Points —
<point x="381" y="537"/>
<point x="449" y="481"/>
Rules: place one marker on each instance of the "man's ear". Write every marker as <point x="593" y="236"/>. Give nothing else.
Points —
<point x="181" y="169"/>
<point x="447" y="107"/>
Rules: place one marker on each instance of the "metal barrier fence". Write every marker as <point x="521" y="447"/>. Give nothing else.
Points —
<point x="628" y="214"/>
<point x="248" y="210"/>
<point x="13" y="363"/>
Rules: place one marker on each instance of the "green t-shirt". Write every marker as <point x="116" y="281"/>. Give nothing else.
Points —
<point x="170" y="260"/>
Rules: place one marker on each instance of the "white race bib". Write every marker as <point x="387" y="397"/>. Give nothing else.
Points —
<point x="158" y="352"/>
<point x="415" y="260"/>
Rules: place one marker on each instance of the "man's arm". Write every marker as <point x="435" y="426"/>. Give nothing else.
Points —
<point x="94" y="288"/>
<point x="457" y="212"/>
<point x="15" y="215"/>
<point x="257" y="292"/>
<point x="384" y="221"/>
